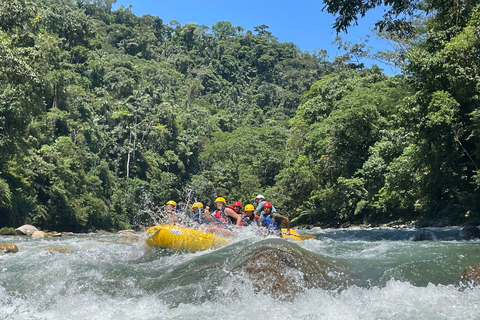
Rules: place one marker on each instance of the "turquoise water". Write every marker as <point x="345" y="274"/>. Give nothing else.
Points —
<point x="342" y="274"/>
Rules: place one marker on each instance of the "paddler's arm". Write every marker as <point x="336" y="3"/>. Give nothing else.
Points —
<point x="173" y="218"/>
<point x="207" y="216"/>
<point x="233" y="214"/>
<point x="279" y="219"/>
<point x="259" y="208"/>
<point x="287" y="223"/>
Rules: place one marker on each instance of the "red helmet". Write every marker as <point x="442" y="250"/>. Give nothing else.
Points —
<point x="267" y="205"/>
<point x="236" y="204"/>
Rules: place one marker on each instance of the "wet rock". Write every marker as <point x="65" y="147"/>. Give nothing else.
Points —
<point x="128" y="239"/>
<point x="471" y="274"/>
<point x="127" y="231"/>
<point x="54" y="234"/>
<point x="8" y="247"/>
<point x="425" y="235"/>
<point x="38" y="234"/>
<point x="469" y="232"/>
<point x="283" y="269"/>
<point x="440" y="223"/>
<point x="345" y="225"/>
<point x="57" y="249"/>
<point x="67" y="234"/>
<point x="27" y="229"/>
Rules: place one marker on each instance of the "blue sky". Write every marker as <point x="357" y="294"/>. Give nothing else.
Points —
<point x="301" y="22"/>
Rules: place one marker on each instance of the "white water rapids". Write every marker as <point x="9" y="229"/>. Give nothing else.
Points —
<point x="383" y="276"/>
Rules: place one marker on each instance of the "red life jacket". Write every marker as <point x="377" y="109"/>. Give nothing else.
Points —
<point x="220" y="215"/>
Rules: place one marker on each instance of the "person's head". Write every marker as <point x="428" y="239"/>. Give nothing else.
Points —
<point x="249" y="210"/>
<point x="220" y="202"/>
<point x="237" y="206"/>
<point x="197" y="206"/>
<point x="171" y="205"/>
<point x="259" y="198"/>
<point x="267" y="208"/>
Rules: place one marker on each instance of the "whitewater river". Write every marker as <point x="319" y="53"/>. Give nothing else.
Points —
<point x="342" y="274"/>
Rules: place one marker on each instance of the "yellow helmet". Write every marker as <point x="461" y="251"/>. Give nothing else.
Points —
<point x="249" y="207"/>
<point x="173" y="203"/>
<point x="220" y="199"/>
<point x="197" y="205"/>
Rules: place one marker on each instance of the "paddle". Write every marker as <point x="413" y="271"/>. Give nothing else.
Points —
<point x="246" y="223"/>
<point x="211" y="215"/>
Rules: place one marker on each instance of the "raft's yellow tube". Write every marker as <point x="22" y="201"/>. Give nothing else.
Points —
<point x="293" y="234"/>
<point x="182" y="239"/>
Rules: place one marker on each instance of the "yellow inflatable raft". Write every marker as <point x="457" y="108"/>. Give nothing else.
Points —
<point x="295" y="236"/>
<point x="183" y="239"/>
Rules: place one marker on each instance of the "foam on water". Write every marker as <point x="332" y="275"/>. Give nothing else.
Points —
<point x="103" y="279"/>
<point x="397" y="300"/>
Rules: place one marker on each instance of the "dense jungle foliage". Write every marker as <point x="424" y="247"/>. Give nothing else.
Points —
<point x="105" y="115"/>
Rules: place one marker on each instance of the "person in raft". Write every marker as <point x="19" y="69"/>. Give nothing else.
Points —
<point x="249" y="217"/>
<point x="173" y="215"/>
<point x="272" y="220"/>
<point x="224" y="214"/>
<point x="260" y="200"/>
<point x="237" y="207"/>
<point x="198" y="213"/>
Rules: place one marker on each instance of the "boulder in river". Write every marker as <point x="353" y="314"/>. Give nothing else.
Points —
<point x="127" y="231"/>
<point x="54" y="234"/>
<point x="57" y="249"/>
<point x="424" y="234"/>
<point x="469" y="232"/>
<point x="472" y="273"/>
<point x="38" y="234"/>
<point x="27" y="229"/>
<point x="128" y="239"/>
<point x="283" y="269"/>
<point x="8" y="247"/>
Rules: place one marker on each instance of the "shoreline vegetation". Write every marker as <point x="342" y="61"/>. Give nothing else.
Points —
<point x="106" y="116"/>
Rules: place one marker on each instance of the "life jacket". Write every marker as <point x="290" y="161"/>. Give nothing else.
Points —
<point x="199" y="217"/>
<point x="246" y="221"/>
<point x="230" y="207"/>
<point x="222" y="216"/>
<point x="269" y="223"/>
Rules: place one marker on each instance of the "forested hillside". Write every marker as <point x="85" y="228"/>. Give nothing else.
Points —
<point x="104" y="115"/>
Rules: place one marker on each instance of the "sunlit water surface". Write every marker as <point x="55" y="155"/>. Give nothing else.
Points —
<point x="381" y="275"/>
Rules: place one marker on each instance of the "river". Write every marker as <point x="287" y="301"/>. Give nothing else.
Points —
<point x="341" y="274"/>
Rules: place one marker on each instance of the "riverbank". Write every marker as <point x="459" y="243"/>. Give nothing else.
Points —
<point x="399" y="224"/>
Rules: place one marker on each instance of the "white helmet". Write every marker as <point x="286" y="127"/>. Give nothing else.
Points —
<point x="259" y="197"/>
